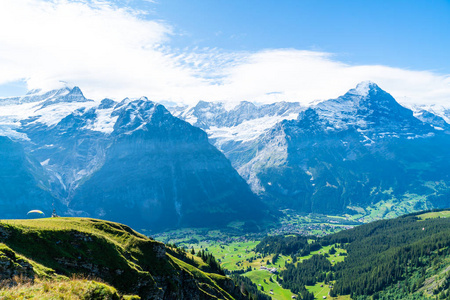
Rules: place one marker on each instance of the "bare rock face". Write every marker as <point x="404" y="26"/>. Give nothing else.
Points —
<point x="12" y="266"/>
<point x="160" y="172"/>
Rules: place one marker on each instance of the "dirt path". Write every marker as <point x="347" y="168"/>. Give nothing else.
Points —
<point x="276" y="281"/>
<point x="319" y="292"/>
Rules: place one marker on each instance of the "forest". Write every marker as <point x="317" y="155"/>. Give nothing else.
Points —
<point x="385" y="259"/>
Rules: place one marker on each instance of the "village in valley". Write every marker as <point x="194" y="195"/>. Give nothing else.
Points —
<point x="236" y="251"/>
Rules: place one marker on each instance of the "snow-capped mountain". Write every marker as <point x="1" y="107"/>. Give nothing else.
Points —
<point x="134" y="161"/>
<point x="128" y="161"/>
<point x="227" y="128"/>
<point x="437" y="116"/>
<point x="353" y="151"/>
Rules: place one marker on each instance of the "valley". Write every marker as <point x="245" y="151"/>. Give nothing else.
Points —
<point x="265" y="260"/>
<point x="237" y="255"/>
<point x="412" y="261"/>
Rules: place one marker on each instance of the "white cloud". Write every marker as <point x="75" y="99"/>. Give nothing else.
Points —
<point x="115" y="52"/>
<point x="102" y="48"/>
<point x="305" y="76"/>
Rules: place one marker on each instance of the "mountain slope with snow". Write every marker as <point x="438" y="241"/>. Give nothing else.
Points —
<point x="342" y="154"/>
<point x="229" y="128"/>
<point x="128" y="161"/>
<point x="135" y="160"/>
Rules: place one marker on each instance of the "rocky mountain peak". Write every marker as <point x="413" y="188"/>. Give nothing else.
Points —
<point x="107" y="103"/>
<point x="65" y="95"/>
<point x="136" y="114"/>
<point x="367" y="93"/>
<point x="368" y="106"/>
<point x="364" y="88"/>
<point x="75" y="92"/>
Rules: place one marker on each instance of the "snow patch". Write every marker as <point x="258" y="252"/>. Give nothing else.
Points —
<point x="363" y="88"/>
<point x="247" y="130"/>
<point x="104" y="121"/>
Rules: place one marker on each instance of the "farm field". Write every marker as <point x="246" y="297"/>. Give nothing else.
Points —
<point x="240" y="257"/>
<point x="267" y="283"/>
<point x="235" y="251"/>
<point x="435" y="214"/>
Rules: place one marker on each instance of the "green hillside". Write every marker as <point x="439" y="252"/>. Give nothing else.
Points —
<point x="93" y="259"/>
<point x="403" y="258"/>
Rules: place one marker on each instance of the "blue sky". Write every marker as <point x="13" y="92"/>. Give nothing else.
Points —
<point x="406" y="34"/>
<point x="229" y="50"/>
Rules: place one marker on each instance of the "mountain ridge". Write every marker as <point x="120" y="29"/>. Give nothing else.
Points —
<point x="73" y="138"/>
<point x="303" y="160"/>
<point x="323" y="157"/>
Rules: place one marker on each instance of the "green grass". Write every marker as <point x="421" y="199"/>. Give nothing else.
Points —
<point x="114" y="232"/>
<point x="262" y="277"/>
<point x="83" y="243"/>
<point x="113" y="252"/>
<point x="240" y="255"/>
<point x="389" y="209"/>
<point x="209" y="280"/>
<point x="319" y="290"/>
<point x="333" y="258"/>
<point x="62" y="289"/>
<point x="236" y="256"/>
<point x="17" y="261"/>
<point x="433" y="215"/>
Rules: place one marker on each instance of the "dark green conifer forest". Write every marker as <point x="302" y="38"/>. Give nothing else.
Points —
<point x="402" y="258"/>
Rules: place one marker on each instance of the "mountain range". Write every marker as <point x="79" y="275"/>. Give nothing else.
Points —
<point x="138" y="162"/>
<point x="339" y="156"/>
<point x="124" y="161"/>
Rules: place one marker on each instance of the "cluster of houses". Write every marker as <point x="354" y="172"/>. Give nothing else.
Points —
<point x="271" y="270"/>
<point x="311" y="229"/>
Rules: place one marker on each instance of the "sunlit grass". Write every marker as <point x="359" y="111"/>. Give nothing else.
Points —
<point x="436" y="214"/>
<point x="60" y="289"/>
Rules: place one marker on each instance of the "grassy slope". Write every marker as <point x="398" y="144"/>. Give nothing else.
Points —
<point x="63" y="289"/>
<point x="262" y="278"/>
<point x="113" y="252"/>
<point x="435" y="214"/>
<point x="236" y="256"/>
